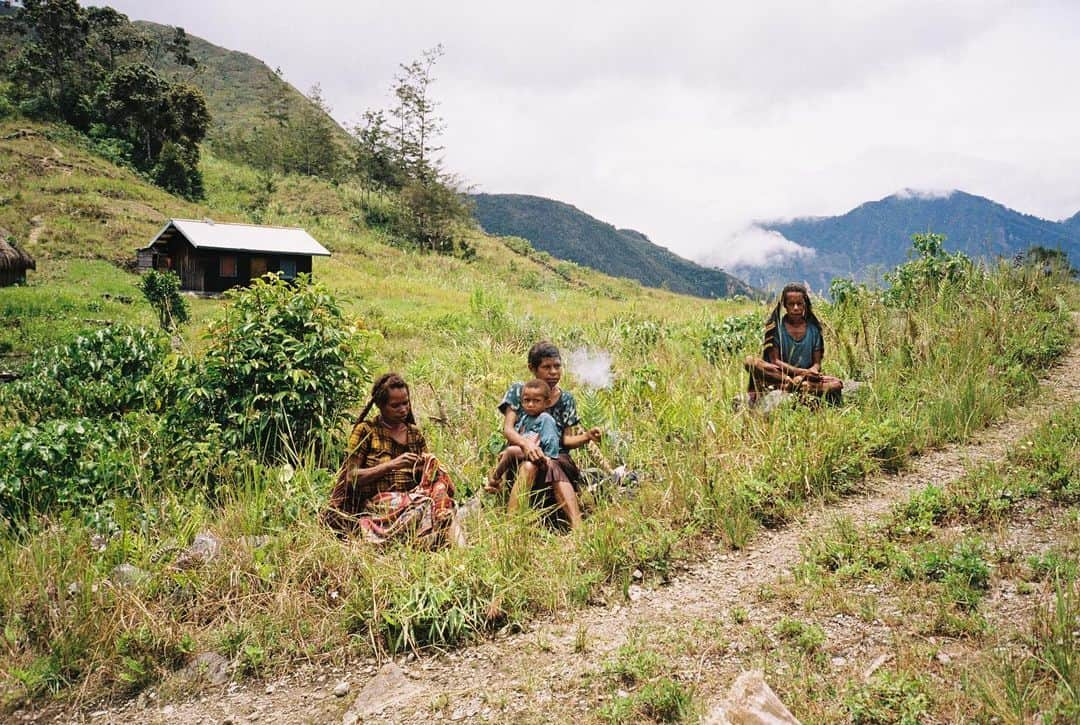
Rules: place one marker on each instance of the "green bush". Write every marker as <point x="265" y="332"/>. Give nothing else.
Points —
<point x="279" y="372"/>
<point x="162" y="291"/>
<point x="731" y="336"/>
<point x="100" y="373"/>
<point x="75" y="463"/>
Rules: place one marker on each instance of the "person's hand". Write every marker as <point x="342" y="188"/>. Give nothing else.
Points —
<point x="404" y="461"/>
<point x="595" y="434"/>
<point x="532" y="450"/>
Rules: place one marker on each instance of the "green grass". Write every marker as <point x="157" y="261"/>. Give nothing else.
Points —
<point x="459" y="330"/>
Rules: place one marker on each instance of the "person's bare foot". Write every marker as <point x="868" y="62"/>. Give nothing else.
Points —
<point x="493" y="486"/>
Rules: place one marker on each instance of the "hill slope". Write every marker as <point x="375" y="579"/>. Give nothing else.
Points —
<point x="82" y="219"/>
<point x="878" y="234"/>
<point x="566" y="232"/>
<point x="239" y="88"/>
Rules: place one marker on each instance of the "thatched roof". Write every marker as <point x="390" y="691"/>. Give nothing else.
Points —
<point x="13" y="258"/>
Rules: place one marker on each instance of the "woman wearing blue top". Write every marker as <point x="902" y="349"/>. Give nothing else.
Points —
<point x="557" y="474"/>
<point x="792" y="351"/>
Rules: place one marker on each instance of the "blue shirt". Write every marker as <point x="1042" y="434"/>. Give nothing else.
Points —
<point x="800" y="353"/>
<point x="564" y="411"/>
<point x="544" y="426"/>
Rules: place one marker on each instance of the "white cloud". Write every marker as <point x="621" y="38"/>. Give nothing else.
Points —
<point x="687" y="121"/>
<point x="754" y="247"/>
<point x="924" y="193"/>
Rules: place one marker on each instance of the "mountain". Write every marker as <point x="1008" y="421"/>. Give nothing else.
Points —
<point x="1072" y="224"/>
<point x="877" y="235"/>
<point x="566" y="232"/>
<point x="239" y="88"/>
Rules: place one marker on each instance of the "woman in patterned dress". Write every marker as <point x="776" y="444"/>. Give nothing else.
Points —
<point x="559" y="475"/>
<point x="390" y="486"/>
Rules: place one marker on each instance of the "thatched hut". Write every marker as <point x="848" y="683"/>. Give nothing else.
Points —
<point x="13" y="263"/>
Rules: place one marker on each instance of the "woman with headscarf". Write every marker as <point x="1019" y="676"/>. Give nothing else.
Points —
<point x="792" y="351"/>
<point x="390" y="486"/>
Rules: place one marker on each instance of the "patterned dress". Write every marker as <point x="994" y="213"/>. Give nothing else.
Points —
<point x="416" y="503"/>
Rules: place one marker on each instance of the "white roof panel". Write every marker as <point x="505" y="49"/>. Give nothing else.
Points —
<point x="248" y="238"/>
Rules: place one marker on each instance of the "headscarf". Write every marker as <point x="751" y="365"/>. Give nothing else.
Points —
<point x="776" y="318"/>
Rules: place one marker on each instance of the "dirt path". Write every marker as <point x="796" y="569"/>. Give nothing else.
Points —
<point x="544" y="674"/>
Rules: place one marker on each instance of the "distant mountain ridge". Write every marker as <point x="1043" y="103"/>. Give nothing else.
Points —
<point x="566" y="232"/>
<point x="876" y="236"/>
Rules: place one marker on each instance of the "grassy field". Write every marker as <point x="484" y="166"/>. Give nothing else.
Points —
<point x="284" y="590"/>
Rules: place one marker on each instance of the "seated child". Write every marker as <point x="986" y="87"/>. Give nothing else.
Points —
<point x="534" y="425"/>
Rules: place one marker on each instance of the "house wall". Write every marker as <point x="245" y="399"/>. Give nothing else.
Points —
<point x="200" y="270"/>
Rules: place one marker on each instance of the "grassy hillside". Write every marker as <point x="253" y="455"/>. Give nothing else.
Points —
<point x="63" y="203"/>
<point x="285" y="590"/>
<point x="566" y="232"/>
<point x="875" y="236"/>
<point x="240" y="89"/>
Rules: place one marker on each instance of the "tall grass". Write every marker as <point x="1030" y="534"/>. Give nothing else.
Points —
<point x="936" y="373"/>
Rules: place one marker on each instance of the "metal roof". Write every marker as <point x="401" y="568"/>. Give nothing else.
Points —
<point x="245" y="237"/>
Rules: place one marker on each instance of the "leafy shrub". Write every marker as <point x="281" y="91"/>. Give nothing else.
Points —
<point x="641" y="334"/>
<point x="63" y="463"/>
<point x="731" y="336"/>
<point x="162" y="291"/>
<point x="100" y="373"/>
<point x="924" y="276"/>
<point x="845" y="291"/>
<point x="280" y="369"/>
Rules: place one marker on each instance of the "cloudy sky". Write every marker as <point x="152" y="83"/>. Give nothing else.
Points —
<point x="687" y="121"/>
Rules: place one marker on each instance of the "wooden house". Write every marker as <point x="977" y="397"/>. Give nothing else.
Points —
<point x="13" y="263"/>
<point x="211" y="256"/>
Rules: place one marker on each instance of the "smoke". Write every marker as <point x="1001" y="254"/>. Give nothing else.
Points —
<point x="755" y="246"/>
<point x="591" y="367"/>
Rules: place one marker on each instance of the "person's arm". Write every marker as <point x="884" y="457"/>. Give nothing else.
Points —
<point x="364" y="477"/>
<point x="772" y="356"/>
<point x="529" y="446"/>
<point x="576" y="438"/>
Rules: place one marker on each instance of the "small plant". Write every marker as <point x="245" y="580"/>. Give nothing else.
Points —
<point x="807" y="637"/>
<point x="162" y="291"/>
<point x="731" y="336"/>
<point x="888" y="698"/>
<point x="581" y="639"/>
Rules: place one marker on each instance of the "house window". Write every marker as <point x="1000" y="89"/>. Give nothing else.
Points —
<point x="288" y="269"/>
<point x="227" y="266"/>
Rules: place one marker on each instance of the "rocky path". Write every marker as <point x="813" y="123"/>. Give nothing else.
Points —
<point x="544" y="674"/>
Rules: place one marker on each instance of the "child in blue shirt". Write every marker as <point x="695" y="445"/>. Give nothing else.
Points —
<point x="535" y="424"/>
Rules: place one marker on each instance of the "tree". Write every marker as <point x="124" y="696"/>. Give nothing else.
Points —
<point x="374" y="158"/>
<point x="49" y="71"/>
<point x="86" y="67"/>
<point x="310" y="148"/>
<point x="417" y="124"/>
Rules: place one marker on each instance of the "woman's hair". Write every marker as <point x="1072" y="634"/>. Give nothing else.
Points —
<point x="802" y="289"/>
<point x="776" y="317"/>
<point x="541" y="350"/>
<point x="380" y="394"/>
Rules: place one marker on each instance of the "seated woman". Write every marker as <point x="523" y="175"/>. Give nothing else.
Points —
<point x="525" y="456"/>
<point x="390" y="486"/>
<point x="792" y="352"/>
